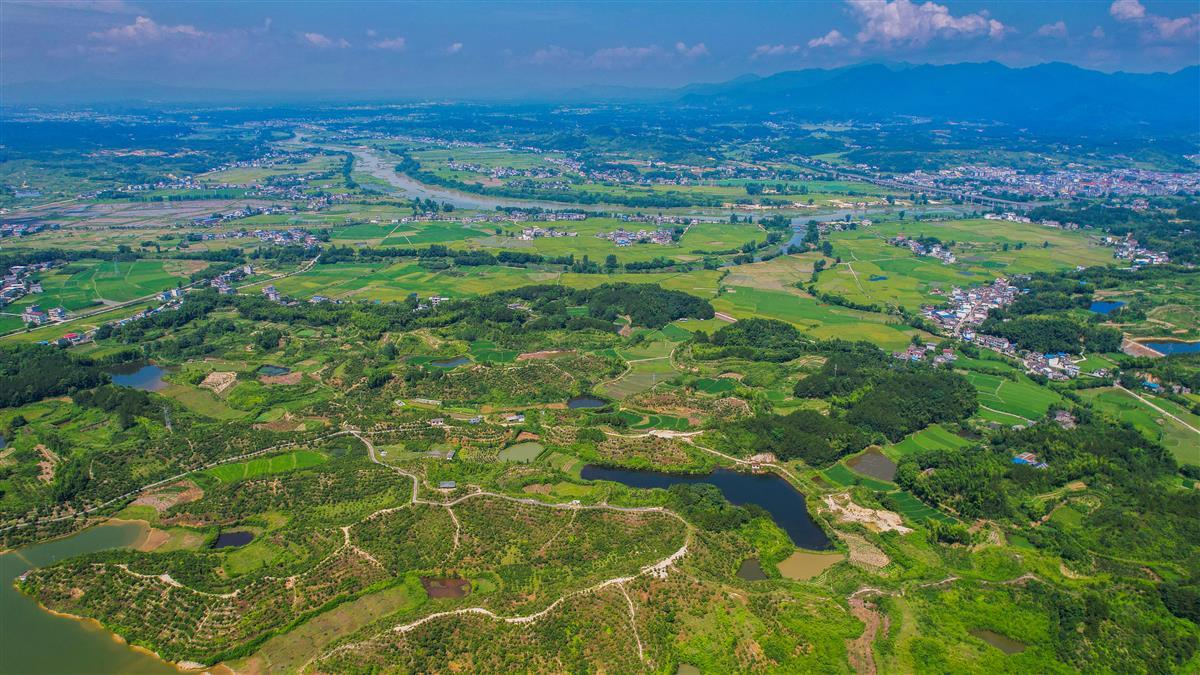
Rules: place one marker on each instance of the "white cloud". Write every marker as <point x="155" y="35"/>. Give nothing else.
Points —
<point x="694" y="52"/>
<point x="323" y="42"/>
<point x="549" y="56"/>
<point x="145" y="30"/>
<point x="1098" y="32"/>
<point x="901" y="22"/>
<point x="612" y="58"/>
<point x="1058" y="29"/>
<point x="395" y="44"/>
<point x="1155" y="27"/>
<point x="774" y="50"/>
<point x="371" y="32"/>
<point x="1127" y="10"/>
<point x="833" y="38"/>
<point x="454" y="48"/>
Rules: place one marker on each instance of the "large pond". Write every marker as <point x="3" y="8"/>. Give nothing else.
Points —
<point x="450" y="363"/>
<point x="1106" y="306"/>
<point x="586" y="402"/>
<point x="784" y="503"/>
<point x="139" y="375"/>
<point x="874" y="464"/>
<point x="273" y="371"/>
<point x="1174" y="347"/>
<point x="238" y="538"/>
<point x="35" y="641"/>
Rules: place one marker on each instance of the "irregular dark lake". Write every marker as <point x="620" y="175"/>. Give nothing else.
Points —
<point x="784" y="503"/>
<point x="139" y="375"/>
<point x="239" y="538"/>
<point x="450" y="363"/>
<point x="272" y="371"/>
<point x="586" y="402"/>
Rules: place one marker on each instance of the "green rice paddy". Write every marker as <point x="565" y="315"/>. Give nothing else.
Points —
<point x="261" y="466"/>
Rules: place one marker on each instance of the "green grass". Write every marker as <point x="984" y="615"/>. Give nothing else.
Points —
<point x="818" y="319"/>
<point x="1022" y="398"/>
<point x="914" y="509"/>
<point x="717" y="385"/>
<point x="663" y="422"/>
<point x="522" y="452"/>
<point x="933" y="437"/>
<point x="261" y="466"/>
<point x="840" y="474"/>
<point x="1181" y="441"/>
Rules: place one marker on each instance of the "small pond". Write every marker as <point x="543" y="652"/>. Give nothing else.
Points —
<point x="272" y="371"/>
<point x="874" y="464"/>
<point x="446" y="587"/>
<point x="1106" y="306"/>
<point x="877" y="277"/>
<point x="785" y="504"/>
<point x="450" y="363"/>
<point x="236" y="538"/>
<point x="1174" y="347"/>
<point x="999" y="641"/>
<point x="139" y="375"/>
<point x="586" y="402"/>
<point x="751" y="570"/>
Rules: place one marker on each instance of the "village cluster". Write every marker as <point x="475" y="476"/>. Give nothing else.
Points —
<point x="623" y="237"/>
<point x="966" y="309"/>
<point x="1072" y="182"/>
<point x="24" y="229"/>
<point x="18" y="282"/>
<point x="1128" y="248"/>
<point x="289" y="237"/>
<point x="932" y="249"/>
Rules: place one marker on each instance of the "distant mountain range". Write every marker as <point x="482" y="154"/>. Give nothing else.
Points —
<point x="1051" y="96"/>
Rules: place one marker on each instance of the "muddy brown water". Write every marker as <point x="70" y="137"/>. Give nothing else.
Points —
<point x="803" y="565"/>
<point x="446" y="587"/>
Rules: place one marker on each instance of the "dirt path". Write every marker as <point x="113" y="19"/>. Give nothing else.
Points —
<point x="656" y="569"/>
<point x="859" y="650"/>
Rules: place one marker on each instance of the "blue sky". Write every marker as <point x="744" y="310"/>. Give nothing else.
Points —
<point x="450" y="48"/>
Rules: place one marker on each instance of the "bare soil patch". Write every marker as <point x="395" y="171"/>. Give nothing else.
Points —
<point x="876" y="520"/>
<point x="545" y="354"/>
<point x="167" y="496"/>
<point x="293" y="377"/>
<point x="219" y="381"/>
<point x="47" y="464"/>
<point x="863" y="552"/>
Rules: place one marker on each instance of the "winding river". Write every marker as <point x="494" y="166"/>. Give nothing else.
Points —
<point x="374" y="163"/>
